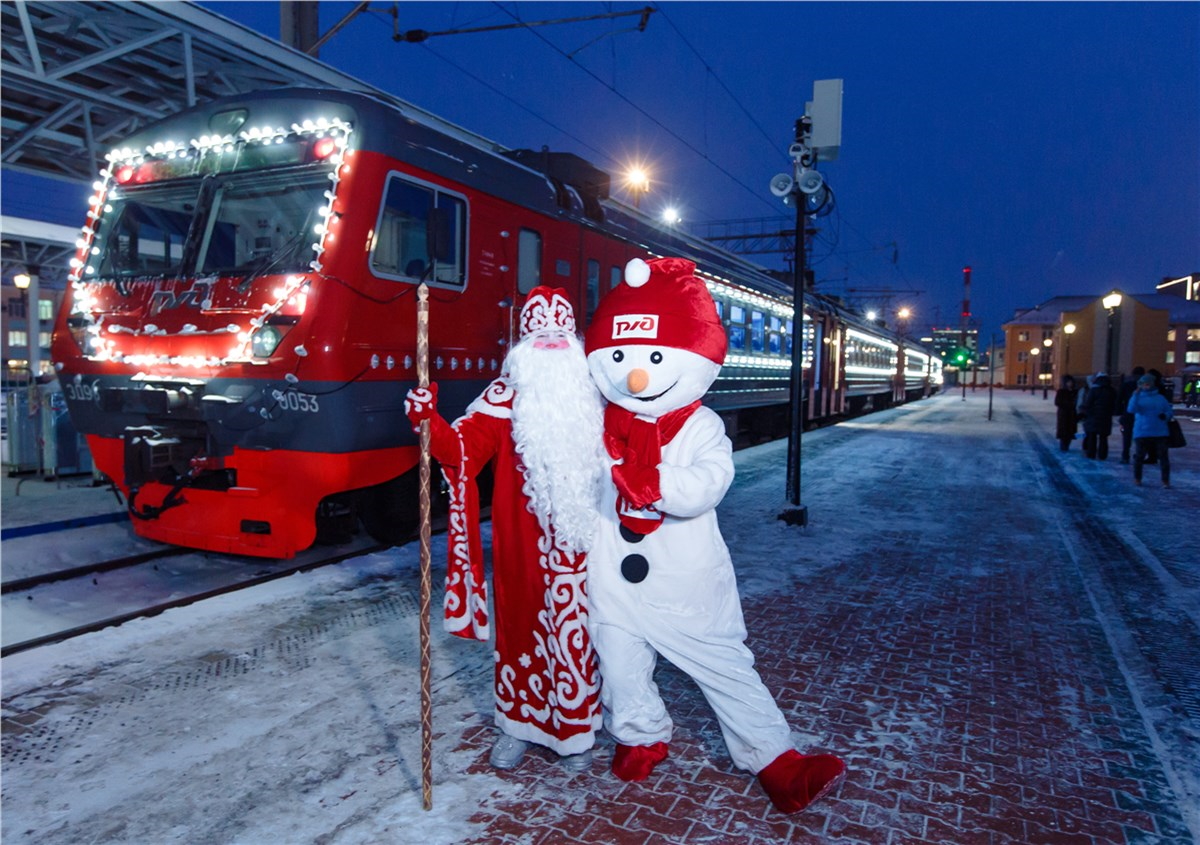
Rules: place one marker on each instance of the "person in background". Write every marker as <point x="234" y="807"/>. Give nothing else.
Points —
<point x="1150" y="410"/>
<point x="1081" y="395"/>
<point x="1098" y="409"/>
<point x="1064" y="401"/>
<point x="1128" y="388"/>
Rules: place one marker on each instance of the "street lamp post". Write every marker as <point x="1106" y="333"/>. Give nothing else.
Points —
<point x="1111" y="303"/>
<point x="1033" y="353"/>
<point x="900" y="390"/>
<point x="1068" y="330"/>
<point x="1046" y="382"/>
<point x="28" y="284"/>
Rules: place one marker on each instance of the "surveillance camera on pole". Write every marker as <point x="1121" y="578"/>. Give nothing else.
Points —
<point x="818" y="136"/>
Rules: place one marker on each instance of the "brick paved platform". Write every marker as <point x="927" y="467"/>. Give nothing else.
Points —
<point x="959" y="666"/>
<point x="1001" y="640"/>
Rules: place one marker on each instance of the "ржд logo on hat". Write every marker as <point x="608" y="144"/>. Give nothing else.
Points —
<point x="635" y="325"/>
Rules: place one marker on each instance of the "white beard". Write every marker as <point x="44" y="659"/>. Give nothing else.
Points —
<point x="558" y="428"/>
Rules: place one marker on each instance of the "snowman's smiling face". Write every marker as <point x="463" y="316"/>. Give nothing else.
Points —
<point x="651" y="380"/>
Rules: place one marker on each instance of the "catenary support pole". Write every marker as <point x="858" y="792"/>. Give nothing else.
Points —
<point x="797" y="514"/>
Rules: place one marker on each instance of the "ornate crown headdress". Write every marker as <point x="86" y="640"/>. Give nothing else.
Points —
<point x="547" y="310"/>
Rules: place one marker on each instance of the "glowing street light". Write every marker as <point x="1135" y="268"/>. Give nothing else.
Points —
<point x="1068" y="330"/>
<point x="637" y="182"/>
<point x="670" y="216"/>
<point x="1042" y="375"/>
<point x="1033" y="353"/>
<point x="1111" y="303"/>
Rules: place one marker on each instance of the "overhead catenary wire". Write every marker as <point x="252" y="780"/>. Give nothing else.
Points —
<point x="832" y="210"/>
<point x="648" y="115"/>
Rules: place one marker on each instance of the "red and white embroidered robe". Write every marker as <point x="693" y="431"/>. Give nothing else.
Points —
<point x="547" y="683"/>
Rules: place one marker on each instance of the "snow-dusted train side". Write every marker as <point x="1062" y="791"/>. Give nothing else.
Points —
<point x="240" y="330"/>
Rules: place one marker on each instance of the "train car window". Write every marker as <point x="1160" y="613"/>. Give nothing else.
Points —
<point x="757" y="332"/>
<point x="262" y="223"/>
<point x="787" y="340"/>
<point x="404" y="233"/>
<point x="145" y="232"/>
<point x="562" y="268"/>
<point x="737" y="327"/>
<point x="614" y="277"/>
<point x="529" y="260"/>
<point x="720" y="307"/>
<point x="593" y="287"/>
<point x="774" y="339"/>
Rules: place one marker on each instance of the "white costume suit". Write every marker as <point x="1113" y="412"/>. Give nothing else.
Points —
<point x="687" y="607"/>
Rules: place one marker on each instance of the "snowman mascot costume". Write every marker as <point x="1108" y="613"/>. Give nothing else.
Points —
<point x="660" y="578"/>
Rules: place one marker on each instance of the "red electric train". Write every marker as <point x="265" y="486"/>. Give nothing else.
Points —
<point x="239" y="332"/>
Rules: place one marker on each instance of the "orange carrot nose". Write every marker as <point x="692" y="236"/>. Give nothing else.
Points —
<point x="637" y="380"/>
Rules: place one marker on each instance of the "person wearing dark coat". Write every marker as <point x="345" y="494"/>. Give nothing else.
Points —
<point x="1098" y="410"/>
<point x="1128" y="388"/>
<point x="1064" y="401"/>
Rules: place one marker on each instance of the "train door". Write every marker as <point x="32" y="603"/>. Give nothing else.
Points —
<point x="603" y="265"/>
<point x="527" y="275"/>
<point x="833" y="364"/>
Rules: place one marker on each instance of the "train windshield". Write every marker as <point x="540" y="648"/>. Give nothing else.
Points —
<point x="236" y="224"/>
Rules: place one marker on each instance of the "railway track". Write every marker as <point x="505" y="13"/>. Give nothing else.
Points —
<point x="231" y="574"/>
<point x="32" y="582"/>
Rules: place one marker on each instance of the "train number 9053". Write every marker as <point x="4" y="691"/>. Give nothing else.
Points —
<point x="290" y="400"/>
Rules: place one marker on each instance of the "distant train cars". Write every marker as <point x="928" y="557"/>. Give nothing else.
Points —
<point x="239" y="333"/>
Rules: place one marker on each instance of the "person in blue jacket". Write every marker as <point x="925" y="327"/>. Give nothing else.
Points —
<point x="1150" y="410"/>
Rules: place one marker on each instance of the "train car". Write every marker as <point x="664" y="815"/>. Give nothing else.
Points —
<point x="239" y="332"/>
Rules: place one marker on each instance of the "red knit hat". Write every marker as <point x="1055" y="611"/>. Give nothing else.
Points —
<point x="661" y="304"/>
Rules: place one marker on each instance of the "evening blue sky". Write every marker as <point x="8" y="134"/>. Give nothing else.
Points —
<point x="1054" y="147"/>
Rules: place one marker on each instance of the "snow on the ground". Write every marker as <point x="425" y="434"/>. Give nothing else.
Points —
<point x="290" y="712"/>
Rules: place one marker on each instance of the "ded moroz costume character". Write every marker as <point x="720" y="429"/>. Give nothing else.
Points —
<point x="539" y="426"/>
<point x="660" y="578"/>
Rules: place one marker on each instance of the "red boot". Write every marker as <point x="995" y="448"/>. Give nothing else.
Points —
<point x="636" y="762"/>
<point x="794" y="780"/>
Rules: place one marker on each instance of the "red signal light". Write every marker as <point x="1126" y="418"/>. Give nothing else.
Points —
<point x="124" y="173"/>
<point x="324" y="147"/>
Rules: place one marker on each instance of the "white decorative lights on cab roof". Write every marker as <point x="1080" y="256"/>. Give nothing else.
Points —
<point x="84" y="303"/>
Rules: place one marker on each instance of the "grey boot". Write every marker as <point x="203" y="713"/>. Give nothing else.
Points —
<point x="507" y="752"/>
<point x="576" y="763"/>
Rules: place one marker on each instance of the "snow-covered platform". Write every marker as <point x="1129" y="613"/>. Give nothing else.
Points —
<point x="1003" y="641"/>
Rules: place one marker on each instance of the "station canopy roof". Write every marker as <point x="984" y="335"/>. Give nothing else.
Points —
<point x="80" y="76"/>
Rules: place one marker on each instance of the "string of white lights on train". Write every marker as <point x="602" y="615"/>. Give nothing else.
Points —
<point x="123" y="162"/>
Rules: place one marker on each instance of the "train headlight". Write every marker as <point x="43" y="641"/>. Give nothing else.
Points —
<point x="77" y="325"/>
<point x="264" y="341"/>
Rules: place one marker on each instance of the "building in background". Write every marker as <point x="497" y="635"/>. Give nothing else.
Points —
<point x="1113" y="333"/>
<point x="21" y="325"/>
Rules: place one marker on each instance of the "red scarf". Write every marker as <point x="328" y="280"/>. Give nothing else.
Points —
<point x="625" y="432"/>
